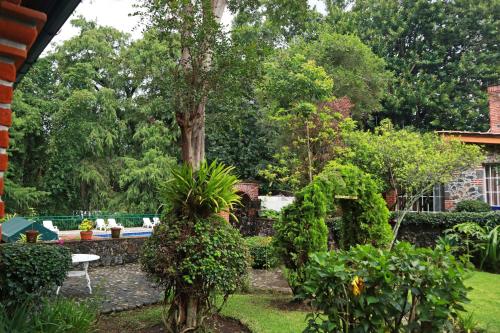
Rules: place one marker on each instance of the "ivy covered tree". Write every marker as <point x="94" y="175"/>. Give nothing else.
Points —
<point x="302" y="230"/>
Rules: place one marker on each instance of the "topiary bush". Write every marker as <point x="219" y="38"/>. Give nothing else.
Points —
<point x="366" y="289"/>
<point x="261" y="252"/>
<point x="195" y="254"/>
<point x="301" y="229"/>
<point x="30" y="271"/>
<point x="472" y="206"/>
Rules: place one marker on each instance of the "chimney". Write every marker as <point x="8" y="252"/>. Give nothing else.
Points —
<point x="494" y="102"/>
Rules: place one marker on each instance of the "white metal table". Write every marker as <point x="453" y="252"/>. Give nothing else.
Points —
<point x="84" y="259"/>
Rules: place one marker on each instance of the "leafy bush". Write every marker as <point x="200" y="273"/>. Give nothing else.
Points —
<point x="366" y="289"/>
<point x="301" y="229"/>
<point x="270" y="214"/>
<point x="261" y="252"/>
<point x="479" y="245"/>
<point x="195" y="254"/>
<point x="203" y="192"/>
<point x="473" y="206"/>
<point x="449" y="219"/>
<point x="60" y="315"/>
<point x="29" y="271"/>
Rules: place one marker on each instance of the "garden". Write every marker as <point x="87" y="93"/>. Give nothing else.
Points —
<point x="138" y="151"/>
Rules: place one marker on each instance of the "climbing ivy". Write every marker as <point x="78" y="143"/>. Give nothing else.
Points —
<point x="342" y="189"/>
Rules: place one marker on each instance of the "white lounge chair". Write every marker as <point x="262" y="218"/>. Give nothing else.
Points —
<point x="156" y="221"/>
<point x="147" y="222"/>
<point x="50" y="226"/>
<point x="100" y="225"/>
<point x="112" y="224"/>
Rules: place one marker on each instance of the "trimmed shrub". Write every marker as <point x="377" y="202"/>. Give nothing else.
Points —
<point x="30" y="271"/>
<point x="473" y="206"/>
<point x="262" y="252"/>
<point x="449" y="219"/>
<point x="302" y="230"/>
<point x="366" y="289"/>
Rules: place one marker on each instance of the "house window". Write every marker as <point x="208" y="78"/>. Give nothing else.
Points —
<point x="492" y="178"/>
<point x="430" y="202"/>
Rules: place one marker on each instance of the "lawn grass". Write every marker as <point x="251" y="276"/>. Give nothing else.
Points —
<point x="263" y="313"/>
<point x="268" y="313"/>
<point x="485" y="300"/>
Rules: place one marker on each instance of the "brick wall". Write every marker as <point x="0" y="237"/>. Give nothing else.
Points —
<point x="494" y="104"/>
<point x="250" y="189"/>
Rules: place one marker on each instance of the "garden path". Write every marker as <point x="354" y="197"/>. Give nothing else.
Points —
<point x="126" y="287"/>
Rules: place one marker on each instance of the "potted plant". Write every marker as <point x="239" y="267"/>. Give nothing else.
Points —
<point x="86" y="229"/>
<point x="32" y="235"/>
<point x="115" y="232"/>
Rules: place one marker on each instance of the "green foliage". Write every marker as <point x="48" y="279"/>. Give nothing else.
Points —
<point x="436" y="62"/>
<point x="261" y="252"/>
<point x="449" y="219"/>
<point x="476" y="243"/>
<point x="474" y="206"/>
<point x="409" y="161"/>
<point x="24" y="239"/>
<point x="270" y="214"/>
<point x="201" y="193"/>
<point x="29" y="271"/>
<point x="366" y="289"/>
<point x="302" y="229"/>
<point x="86" y="225"/>
<point x="356" y="71"/>
<point x="59" y="315"/>
<point x="195" y="259"/>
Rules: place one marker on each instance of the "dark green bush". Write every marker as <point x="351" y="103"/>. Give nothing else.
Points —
<point x="302" y="230"/>
<point x="473" y="206"/>
<point x="30" y="271"/>
<point x="449" y="219"/>
<point x="59" y="315"/>
<point x="366" y="289"/>
<point x="262" y="252"/>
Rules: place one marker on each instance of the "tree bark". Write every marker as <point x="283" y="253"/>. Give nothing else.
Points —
<point x="192" y="121"/>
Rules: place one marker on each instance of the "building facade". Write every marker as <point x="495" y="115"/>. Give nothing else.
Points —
<point x="481" y="182"/>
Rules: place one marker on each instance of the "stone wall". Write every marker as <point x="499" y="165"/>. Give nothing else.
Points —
<point x="112" y="251"/>
<point x="468" y="185"/>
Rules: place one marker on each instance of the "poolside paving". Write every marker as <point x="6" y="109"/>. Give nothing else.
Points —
<point x="126" y="287"/>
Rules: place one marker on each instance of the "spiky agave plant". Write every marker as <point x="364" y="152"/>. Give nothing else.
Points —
<point x="491" y="253"/>
<point x="201" y="193"/>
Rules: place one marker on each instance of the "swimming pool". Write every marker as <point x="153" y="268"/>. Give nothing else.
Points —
<point x="128" y="234"/>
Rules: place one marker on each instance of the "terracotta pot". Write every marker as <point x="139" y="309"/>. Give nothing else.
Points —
<point x="31" y="236"/>
<point x="115" y="232"/>
<point x="86" y="235"/>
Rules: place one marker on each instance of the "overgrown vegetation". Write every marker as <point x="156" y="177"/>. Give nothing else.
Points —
<point x="365" y="289"/>
<point x="302" y="231"/>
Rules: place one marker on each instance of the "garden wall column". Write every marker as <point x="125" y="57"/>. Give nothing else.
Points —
<point x="19" y="28"/>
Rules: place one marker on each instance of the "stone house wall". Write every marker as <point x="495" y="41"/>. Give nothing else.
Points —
<point x="469" y="185"/>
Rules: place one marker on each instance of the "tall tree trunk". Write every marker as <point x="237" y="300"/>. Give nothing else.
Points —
<point x="192" y="122"/>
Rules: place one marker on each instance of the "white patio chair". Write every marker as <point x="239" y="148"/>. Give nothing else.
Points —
<point x="100" y="225"/>
<point x="48" y="224"/>
<point x="147" y="222"/>
<point x="112" y="224"/>
<point x="156" y="221"/>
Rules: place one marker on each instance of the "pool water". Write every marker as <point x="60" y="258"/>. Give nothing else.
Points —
<point x="128" y="234"/>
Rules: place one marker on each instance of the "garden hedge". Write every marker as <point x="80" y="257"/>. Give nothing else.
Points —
<point x="446" y="220"/>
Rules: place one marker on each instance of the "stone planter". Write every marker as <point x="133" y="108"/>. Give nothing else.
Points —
<point x="115" y="232"/>
<point x="31" y="236"/>
<point x="86" y="235"/>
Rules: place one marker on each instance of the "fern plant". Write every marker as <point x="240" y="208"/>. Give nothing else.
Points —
<point x="201" y="193"/>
